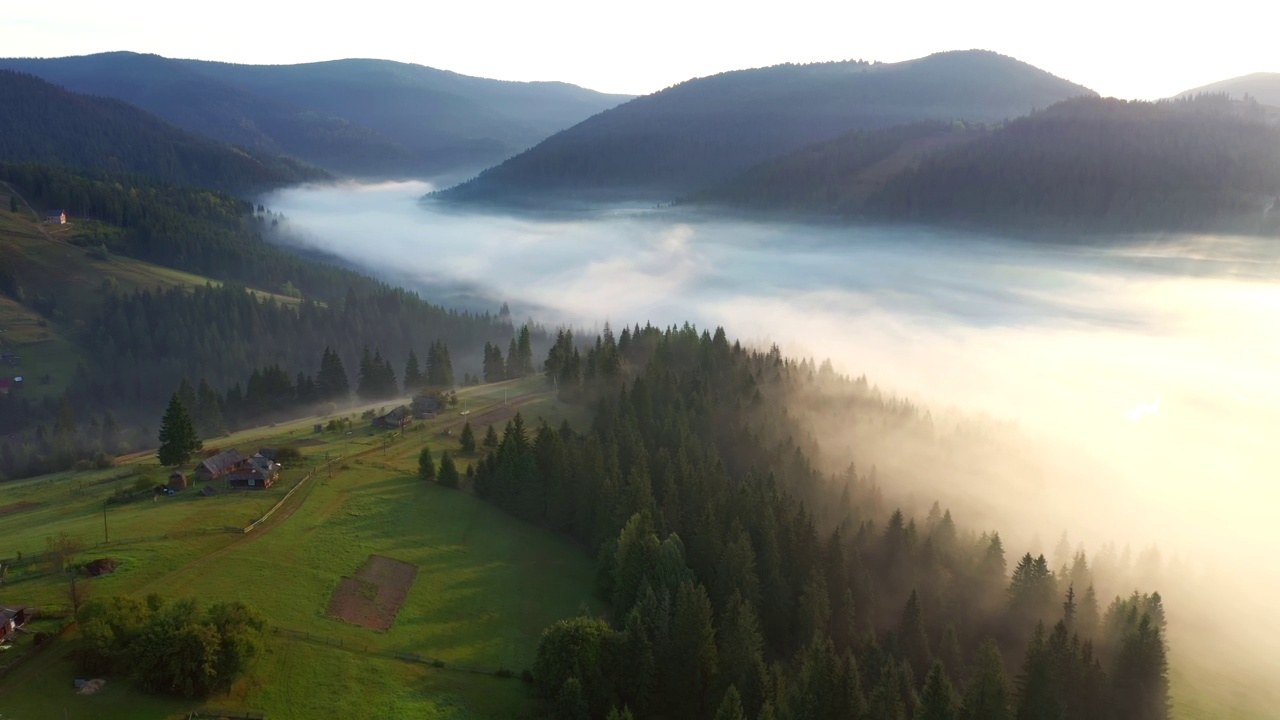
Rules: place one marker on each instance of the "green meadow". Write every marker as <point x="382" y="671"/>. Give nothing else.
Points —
<point x="486" y="585"/>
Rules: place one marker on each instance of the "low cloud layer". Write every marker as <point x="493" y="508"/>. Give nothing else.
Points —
<point x="1150" y="369"/>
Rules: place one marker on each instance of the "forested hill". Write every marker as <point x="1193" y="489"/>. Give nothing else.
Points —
<point x="836" y="176"/>
<point x="1085" y="163"/>
<point x="111" y="340"/>
<point x="40" y="122"/>
<point x="744" y="582"/>
<point x="694" y="134"/>
<point x="1263" y="87"/>
<point x="357" y="117"/>
<point x="1187" y="164"/>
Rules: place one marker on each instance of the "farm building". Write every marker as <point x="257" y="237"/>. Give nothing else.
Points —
<point x="256" y="473"/>
<point x="425" y="407"/>
<point x="397" y="418"/>
<point x="4" y="386"/>
<point x="177" y="480"/>
<point x="219" y="465"/>
<point x="11" y="619"/>
<point x="249" y="479"/>
<point x="57" y="217"/>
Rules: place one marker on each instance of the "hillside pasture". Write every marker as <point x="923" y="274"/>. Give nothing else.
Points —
<point x="486" y="584"/>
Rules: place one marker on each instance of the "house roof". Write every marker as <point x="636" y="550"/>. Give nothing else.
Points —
<point x="397" y="414"/>
<point x="223" y="461"/>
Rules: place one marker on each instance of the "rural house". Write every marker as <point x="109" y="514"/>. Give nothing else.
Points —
<point x="11" y="619"/>
<point x="57" y="217"/>
<point x="177" y="480"/>
<point x="256" y="473"/>
<point x="425" y="407"/>
<point x="219" y="465"/>
<point x="397" y="418"/>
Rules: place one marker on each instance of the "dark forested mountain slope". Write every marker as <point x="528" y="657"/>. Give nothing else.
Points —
<point x="834" y="176"/>
<point x="364" y="117"/>
<point x="40" y="122"/>
<point x="1085" y="163"/>
<point x="1104" y="162"/>
<point x="701" y="131"/>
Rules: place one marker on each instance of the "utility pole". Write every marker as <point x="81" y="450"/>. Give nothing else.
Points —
<point x="106" y="536"/>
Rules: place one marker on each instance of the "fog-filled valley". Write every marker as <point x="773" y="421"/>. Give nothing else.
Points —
<point x="1120" y="390"/>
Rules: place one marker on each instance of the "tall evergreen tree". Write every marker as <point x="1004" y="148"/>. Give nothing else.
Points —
<point x="331" y="382"/>
<point x="178" y="438"/>
<point x="988" y="696"/>
<point x="448" y="474"/>
<point x="491" y="438"/>
<point x="731" y="706"/>
<point x="467" y="439"/>
<point x="495" y="369"/>
<point x="937" y="701"/>
<point x="413" y="378"/>
<point x="426" y="465"/>
<point x="1141" y="676"/>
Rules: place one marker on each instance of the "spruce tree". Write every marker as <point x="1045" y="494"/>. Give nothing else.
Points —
<point x="426" y="465"/>
<point x="731" y="706"/>
<point x="448" y="476"/>
<point x="412" y="373"/>
<point x="467" y="439"/>
<point x="988" y="695"/>
<point x="178" y="438"/>
<point x="491" y="438"/>
<point x="937" y="702"/>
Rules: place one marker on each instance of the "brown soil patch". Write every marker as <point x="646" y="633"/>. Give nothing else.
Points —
<point x="17" y="507"/>
<point x="374" y="596"/>
<point x="101" y="566"/>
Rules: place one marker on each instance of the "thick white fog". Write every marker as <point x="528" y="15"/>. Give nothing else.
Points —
<point x="1153" y="370"/>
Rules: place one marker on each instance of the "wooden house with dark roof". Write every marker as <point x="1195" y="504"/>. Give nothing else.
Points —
<point x="219" y="466"/>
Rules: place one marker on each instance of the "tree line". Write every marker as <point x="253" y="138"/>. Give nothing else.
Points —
<point x="742" y="582"/>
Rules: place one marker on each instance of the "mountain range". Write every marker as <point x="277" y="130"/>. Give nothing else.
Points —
<point x="702" y="131"/>
<point x="43" y="123"/>
<point x="373" y="118"/>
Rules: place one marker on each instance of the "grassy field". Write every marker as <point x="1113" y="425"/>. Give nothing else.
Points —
<point x="486" y="585"/>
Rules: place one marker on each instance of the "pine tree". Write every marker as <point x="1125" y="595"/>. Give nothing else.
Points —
<point x="692" y="661"/>
<point x="331" y="381"/>
<point x="988" y="696"/>
<point x="426" y="465"/>
<point x="178" y="438"/>
<point x="731" y="706"/>
<point x="1141" y="676"/>
<point x="937" y="702"/>
<point x="448" y="476"/>
<point x="524" y="352"/>
<point x="911" y="634"/>
<point x="412" y="373"/>
<point x="495" y="368"/>
<point x="491" y="438"/>
<point x="467" y="439"/>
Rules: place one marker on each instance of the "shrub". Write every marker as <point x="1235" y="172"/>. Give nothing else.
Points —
<point x="288" y="454"/>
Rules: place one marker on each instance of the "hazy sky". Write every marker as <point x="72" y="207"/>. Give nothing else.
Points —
<point x="1117" y="47"/>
